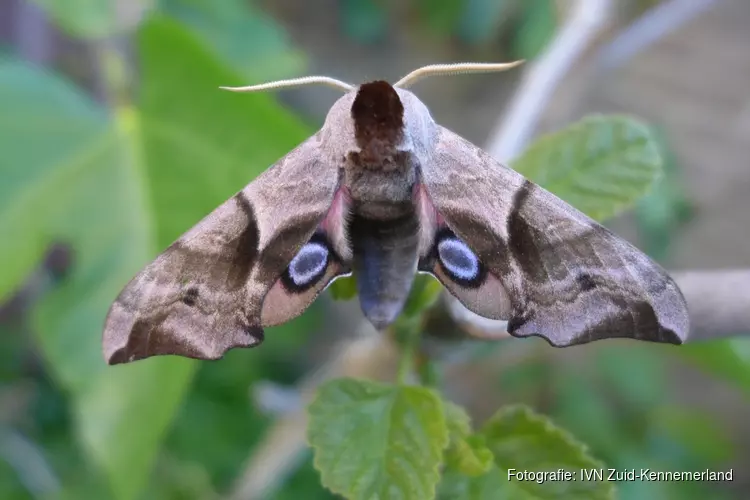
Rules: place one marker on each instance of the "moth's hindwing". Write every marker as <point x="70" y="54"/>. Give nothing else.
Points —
<point x="508" y="249"/>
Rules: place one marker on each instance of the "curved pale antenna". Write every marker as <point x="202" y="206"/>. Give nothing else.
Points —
<point x="294" y="82"/>
<point x="453" y="69"/>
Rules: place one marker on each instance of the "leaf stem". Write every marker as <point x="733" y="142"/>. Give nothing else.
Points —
<point x="407" y="334"/>
<point x="428" y="370"/>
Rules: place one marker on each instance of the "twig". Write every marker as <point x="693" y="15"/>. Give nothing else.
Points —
<point x="543" y="76"/>
<point x="29" y="463"/>
<point x="33" y="34"/>
<point x="718" y="301"/>
<point x="651" y="27"/>
<point x="718" y="304"/>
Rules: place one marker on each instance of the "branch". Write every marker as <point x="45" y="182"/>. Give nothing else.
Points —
<point x="511" y="135"/>
<point x="718" y="304"/>
<point x="652" y="26"/>
<point x="718" y="301"/>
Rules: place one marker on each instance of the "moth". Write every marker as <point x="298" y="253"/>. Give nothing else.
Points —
<point x="384" y="192"/>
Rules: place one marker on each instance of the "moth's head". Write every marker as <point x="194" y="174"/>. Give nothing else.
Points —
<point x="379" y="115"/>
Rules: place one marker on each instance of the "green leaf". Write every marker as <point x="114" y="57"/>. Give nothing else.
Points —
<point x="109" y="190"/>
<point x="77" y="186"/>
<point x="492" y="485"/>
<point x="240" y="33"/>
<point x="467" y="452"/>
<point x="201" y="144"/>
<point x="601" y="165"/>
<point x="373" y="440"/>
<point x="94" y="18"/>
<point x="75" y="132"/>
<point x="522" y="440"/>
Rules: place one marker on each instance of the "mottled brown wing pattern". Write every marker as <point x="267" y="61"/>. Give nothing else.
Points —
<point x="553" y="271"/>
<point x="204" y="294"/>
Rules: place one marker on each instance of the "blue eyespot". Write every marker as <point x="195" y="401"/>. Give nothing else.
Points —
<point x="458" y="259"/>
<point x="309" y="264"/>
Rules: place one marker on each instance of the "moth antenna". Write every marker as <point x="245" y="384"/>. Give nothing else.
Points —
<point x="453" y="69"/>
<point x="294" y="82"/>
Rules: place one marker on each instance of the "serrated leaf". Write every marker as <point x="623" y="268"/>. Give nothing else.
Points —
<point x="467" y="453"/>
<point x="492" y="485"/>
<point x="374" y="440"/>
<point x="601" y="165"/>
<point x="522" y="440"/>
<point x="457" y="420"/>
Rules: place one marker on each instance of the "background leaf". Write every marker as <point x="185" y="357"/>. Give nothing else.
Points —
<point x="467" y="452"/>
<point x="107" y="233"/>
<point x="108" y="189"/>
<point x="201" y="145"/>
<point x="37" y="104"/>
<point x="600" y="165"/>
<point x="373" y="440"/>
<point x="95" y="18"/>
<point x="492" y="485"/>
<point x="241" y="34"/>
<point x="523" y="440"/>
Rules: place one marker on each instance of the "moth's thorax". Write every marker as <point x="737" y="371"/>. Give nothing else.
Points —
<point x="375" y="190"/>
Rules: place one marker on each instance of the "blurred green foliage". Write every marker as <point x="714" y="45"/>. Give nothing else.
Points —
<point x="665" y="209"/>
<point x="600" y="165"/>
<point x="241" y="34"/>
<point x="116" y="183"/>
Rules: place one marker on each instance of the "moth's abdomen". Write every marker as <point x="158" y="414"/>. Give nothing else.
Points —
<point x="384" y="263"/>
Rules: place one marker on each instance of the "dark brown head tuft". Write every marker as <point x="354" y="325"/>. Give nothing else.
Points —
<point x="378" y="115"/>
